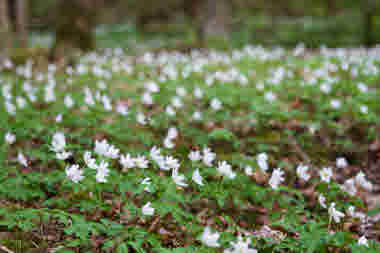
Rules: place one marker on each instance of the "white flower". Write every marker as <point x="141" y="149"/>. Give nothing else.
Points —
<point x="155" y="153"/>
<point x="49" y="93"/>
<point x="270" y="96"/>
<point x="105" y="149"/>
<point x="106" y="103"/>
<point x="197" y="178"/>
<point x="69" y="102"/>
<point x="168" y="143"/>
<point x="240" y="246"/>
<point x="102" y="85"/>
<point x="58" y="118"/>
<point x="58" y="143"/>
<point x="225" y="169"/>
<point x="262" y="159"/>
<point x="277" y="178"/>
<point x="11" y="108"/>
<point x="349" y="187"/>
<point x="147" y="209"/>
<point x="322" y="200"/>
<point x="22" y="159"/>
<point x="363" y="241"/>
<point x="248" y="170"/>
<point x="6" y="90"/>
<point x="74" y="173"/>
<point x="313" y="128"/>
<point x="208" y="157"/>
<point x="10" y="138"/>
<point x="147" y="99"/>
<point x="90" y="162"/>
<point x="326" y="174"/>
<point x="326" y="88"/>
<point x="351" y="211"/>
<point x="122" y="109"/>
<point x="195" y="156"/>
<point x="89" y="98"/>
<point x="335" y="103"/>
<point x="197" y="115"/>
<point x="141" y="162"/>
<point x="171" y="163"/>
<point x="177" y="102"/>
<point x="21" y="102"/>
<point x="160" y="160"/>
<point x="141" y="119"/>
<point x="181" y="91"/>
<point x="102" y="172"/>
<point x="179" y="179"/>
<point x="127" y="161"/>
<point x="146" y="182"/>
<point x="260" y="86"/>
<point x="302" y="172"/>
<point x="210" y="239"/>
<point x="198" y="93"/>
<point x="152" y="87"/>
<point x="364" y="109"/>
<point x="216" y="104"/>
<point x="341" y="162"/>
<point x="170" y="111"/>
<point x="63" y="155"/>
<point x="335" y="214"/>
<point x="172" y="133"/>
<point x="363" y="182"/>
<point x="362" y="87"/>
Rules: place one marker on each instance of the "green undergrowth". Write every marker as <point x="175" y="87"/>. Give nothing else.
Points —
<point x="279" y="110"/>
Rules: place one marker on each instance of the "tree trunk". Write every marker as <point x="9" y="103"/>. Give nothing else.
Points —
<point x="213" y="18"/>
<point x="74" y="25"/>
<point x="369" y="15"/>
<point x="5" y="32"/>
<point x="21" y="22"/>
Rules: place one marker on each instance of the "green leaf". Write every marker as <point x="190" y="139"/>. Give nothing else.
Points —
<point x="374" y="211"/>
<point x="221" y="134"/>
<point x="122" y="248"/>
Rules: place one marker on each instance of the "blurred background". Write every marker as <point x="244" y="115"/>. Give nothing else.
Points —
<point x="62" y="25"/>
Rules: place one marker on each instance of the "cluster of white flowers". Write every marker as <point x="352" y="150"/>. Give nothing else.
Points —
<point x="195" y="63"/>
<point x="105" y="149"/>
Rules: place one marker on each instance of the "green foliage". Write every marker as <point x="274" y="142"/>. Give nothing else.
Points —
<point x="298" y="123"/>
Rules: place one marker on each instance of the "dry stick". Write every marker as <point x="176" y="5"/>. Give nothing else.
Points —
<point x="5" y="249"/>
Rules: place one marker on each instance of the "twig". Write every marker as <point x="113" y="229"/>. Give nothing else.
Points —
<point x="5" y="249"/>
